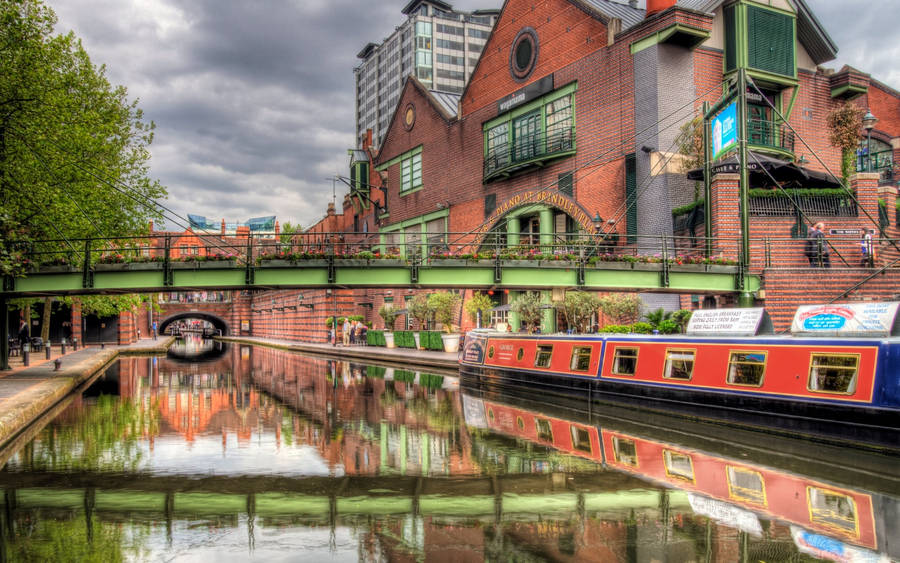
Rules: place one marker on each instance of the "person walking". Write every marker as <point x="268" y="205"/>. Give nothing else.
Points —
<point x="867" y="251"/>
<point x="817" y="247"/>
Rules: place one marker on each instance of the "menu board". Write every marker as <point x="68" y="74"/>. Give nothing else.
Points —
<point x="849" y="319"/>
<point x="734" y="322"/>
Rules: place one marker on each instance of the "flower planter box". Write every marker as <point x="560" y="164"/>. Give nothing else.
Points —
<point x="388" y="262"/>
<point x="56" y="269"/>
<point x="721" y="268"/>
<point x="563" y="264"/>
<point x="203" y="265"/>
<point x="278" y="263"/>
<point x="520" y="263"/>
<point x="647" y="266"/>
<point x="688" y="267"/>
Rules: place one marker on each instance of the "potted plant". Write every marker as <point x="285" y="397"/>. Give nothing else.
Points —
<point x="444" y="306"/>
<point x="421" y="312"/>
<point x="479" y="303"/>
<point x="578" y="307"/>
<point x="388" y="314"/>
<point x="530" y="309"/>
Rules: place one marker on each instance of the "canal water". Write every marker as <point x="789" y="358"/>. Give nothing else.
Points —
<point x="229" y="452"/>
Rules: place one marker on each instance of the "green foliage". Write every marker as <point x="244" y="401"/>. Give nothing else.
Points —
<point x="375" y="338"/>
<point x="578" y="307"/>
<point x="844" y="124"/>
<point x="529" y="307"/>
<point x="687" y="208"/>
<point x="681" y="318"/>
<point x="419" y="310"/>
<point x="388" y="314"/>
<point x="70" y="142"/>
<point x="657" y="316"/>
<point x="479" y="302"/>
<point x="404" y="339"/>
<point x="690" y="141"/>
<point x="443" y="306"/>
<point x="288" y="230"/>
<point x="616" y="329"/>
<point x="431" y="380"/>
<point x="642" y="328"/>
<point x="404" y="375"/>
<point x="621" y="308"/>
<point x="375" y="371"/>
<point x="431" y="340"/>
<point x="805" y="192"/>
<point x="667" y="326"/>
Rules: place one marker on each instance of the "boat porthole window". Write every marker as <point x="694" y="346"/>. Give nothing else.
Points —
<point x="491" y="352"/>
<point x="833" y="373"/>
<point x="520" y="354"/>
<point x="625" y="361"/>
<point x="679" y="364"/>
<point x="746" y="368"/>
<point x="520" y="423"/>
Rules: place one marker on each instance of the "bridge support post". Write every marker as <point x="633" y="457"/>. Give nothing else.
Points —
<point x="745" y="299"/>
<point x="4" y="333"/>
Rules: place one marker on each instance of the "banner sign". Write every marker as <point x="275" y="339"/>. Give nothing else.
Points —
<point x="724" y="130"/>
<point x="550" y="197"/>
<point x="851" y="319"/>
<point x="526" y="94"/>
<point x="735" y="322"/>
<point x="831" y="549"/>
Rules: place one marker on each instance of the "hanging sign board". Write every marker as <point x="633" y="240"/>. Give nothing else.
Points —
<point x="850" y="319"/>
<point x="733" y="322"/>
<point x="724" y="130"/>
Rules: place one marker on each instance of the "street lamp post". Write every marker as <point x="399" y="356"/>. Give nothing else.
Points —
<point x="868" y="123"/>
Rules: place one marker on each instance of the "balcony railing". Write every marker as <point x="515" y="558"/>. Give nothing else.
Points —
<point x="764" y="133"/>
<point x="527" y="149"/>
<point x="811" y="205"/>
<point x="881" y="162"/>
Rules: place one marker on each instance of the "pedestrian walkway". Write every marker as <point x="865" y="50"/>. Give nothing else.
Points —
<point x="27" y="392"/>
<point x="445" y="361"/>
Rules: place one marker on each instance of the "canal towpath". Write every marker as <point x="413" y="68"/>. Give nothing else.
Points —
<point x="30" y="393"/>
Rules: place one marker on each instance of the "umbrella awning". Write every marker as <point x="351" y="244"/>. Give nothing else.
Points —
<point x="764" y="169"/>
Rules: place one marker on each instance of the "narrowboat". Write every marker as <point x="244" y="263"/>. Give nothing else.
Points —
<point x="727" y="488"/>
<point x="837" y="374"/>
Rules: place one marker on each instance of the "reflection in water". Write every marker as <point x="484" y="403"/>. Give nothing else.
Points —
<point x="262" y="453"/>
<point x="195" y="348"/>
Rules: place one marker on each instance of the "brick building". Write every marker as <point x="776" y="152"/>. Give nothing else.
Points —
<point x="571" y="122"/>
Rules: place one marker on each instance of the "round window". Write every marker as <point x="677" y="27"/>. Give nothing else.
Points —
<point x="409" y="117"/>
<point x="491" y="352"/>
<point x="520" y="354"/>
<point x="523" y="55"/>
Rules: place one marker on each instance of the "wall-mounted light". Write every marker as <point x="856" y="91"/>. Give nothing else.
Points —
<point x="597" y="221"/>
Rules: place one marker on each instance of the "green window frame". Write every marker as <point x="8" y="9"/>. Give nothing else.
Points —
<point x="762" y="39"/>
<point x="411" y="173"/>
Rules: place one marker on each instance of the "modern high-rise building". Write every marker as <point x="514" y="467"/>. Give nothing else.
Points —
<point x="436" y="43"/>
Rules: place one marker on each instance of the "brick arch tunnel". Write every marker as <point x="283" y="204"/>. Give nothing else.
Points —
<point x="215" y="320"/>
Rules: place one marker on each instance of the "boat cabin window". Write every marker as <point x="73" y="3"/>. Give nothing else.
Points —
<point x="520" y="354"/>
<point x="520" y="422"/>
<point x="544" y="432"/>
<point x="625" y="361"/>
<point x="542" y="359"/>
<point x="746" y="368"/>
<point x="581" y="358"/>
<point x="678" y="465"/>
<point x="679" y="364"/>
<point x="833" y="373"/>
<point x="832" y="509"/>
<point x="625" y="451"/>
<point x="491" y="352"/>
<point x="581" y="440"/>
<point x="746" y="485"/>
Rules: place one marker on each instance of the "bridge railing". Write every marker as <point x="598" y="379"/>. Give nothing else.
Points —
<point x="424" y="249"/>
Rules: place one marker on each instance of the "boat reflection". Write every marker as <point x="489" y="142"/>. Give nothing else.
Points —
<point x="827" y="516"/>
<point x="192" y="347"/>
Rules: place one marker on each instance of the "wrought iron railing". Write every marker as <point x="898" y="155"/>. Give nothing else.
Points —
<point x="881" y="162"/>
<point x="528" y="148"/>
<point x="773" y="134"/>
<point x="811" y="205"/>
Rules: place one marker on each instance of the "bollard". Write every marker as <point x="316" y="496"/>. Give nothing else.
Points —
<point x="57" y="363"/>
<point x="102" y="345"/>
<point x="75" y="343"/>
<point x="62" y="347"/>
<point x="26" y="357"/>
<point x="47" y="351"/>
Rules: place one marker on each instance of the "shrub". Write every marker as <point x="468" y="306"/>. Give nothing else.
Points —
<point x="667" y="326"/>
<point x="528" y="306"/>
<point x="443" y="306"/>
<point x="404" y="339"/>
<point x="479" y="302"/>
<point x="642" y="328"/>
<point x="431" y="380"/>
<point x="388" y="314"/>
<point x="621" y="307"/>
<point x="404" y="375"/>
<point x="431" y="340"/>
<point x="375" y="338"/>
<point x="681" y="318"/>
<point x="616" y="329"/>
<point x="375" y="371"/>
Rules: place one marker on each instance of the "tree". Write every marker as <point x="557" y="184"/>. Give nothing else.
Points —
<point x="388" y="314"/>
<point x="288" y="231"/>
<point x="444" y="306"/>
<point x="529" y="307"/>
<point x="419" y="310"/>
<point x="844" y="123"/>
<point x="621" y="308"/>
<point x="578" y="307"/>
<point x="479" y="303"/>
<point x="73" y="149"/>
<point x="657" y="316"/>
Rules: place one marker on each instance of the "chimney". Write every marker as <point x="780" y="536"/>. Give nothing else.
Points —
<point x="277" y="228"/>
<point x="368" y="141"/>
<point x="223" y="227"/>
<point x="656" y="6"/>
<point x="151" y="225"/>
<point x="331" y="208"/>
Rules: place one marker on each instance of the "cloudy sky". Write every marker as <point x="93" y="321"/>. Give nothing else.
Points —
<point x="253" y="100"/>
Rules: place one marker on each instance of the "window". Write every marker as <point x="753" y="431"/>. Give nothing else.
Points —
<point x="449" y="45"/>
<point x="497" y="146"/>
<point x="625" y="361"/>
<point x="746" y="485"/>
<point x="581" y="358"/>
<point x="423" y="43"/>
<point x="770" y="38"/>
<point x="423" y="58"/>
<point x="526" y="136"/>
<point x="678" y="465"/>
<point x="832" y="509"/>
<point x="451" y="29"/>
<point x="411" y="172"/>
<point x="746" y="368"/>
<point x="679" y="364"/>
<point x="833" y="373"/>
<point x="542" y="359"/>
<point x="423" y="28"/>
<point x="450" y="60"/>
<point x="479" y="33"/>
<point x="520" y="354"/>
<point x="559" y="124"/>
<point x="625" y="451"/>
<point x="581" y="440"/>
<point x="564" y="183"/>
<point x="544" y="431"/>
<point x="490" y="204"/>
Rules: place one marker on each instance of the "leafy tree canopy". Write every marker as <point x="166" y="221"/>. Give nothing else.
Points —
<point x="73" y="149"/>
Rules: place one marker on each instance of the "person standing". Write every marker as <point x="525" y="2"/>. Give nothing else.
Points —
<point x="867" y="251"/>
<point x="346" y="332"/>
<point x="817" y="247"/>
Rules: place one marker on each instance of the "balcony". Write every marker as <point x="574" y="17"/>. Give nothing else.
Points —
<point x="767" y="134"/>
<point x="834" y="205"/>
<point x="530" y="150"/>
<point x="881" y="162"/>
